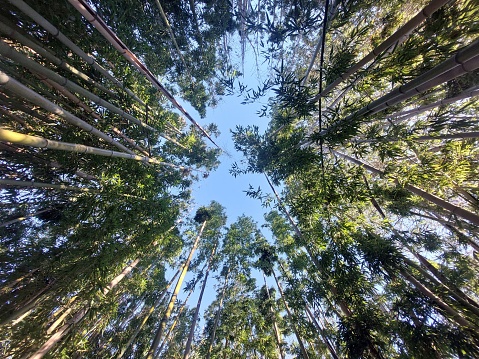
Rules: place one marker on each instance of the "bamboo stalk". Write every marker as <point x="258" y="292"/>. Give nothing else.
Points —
<point x="171" y="305"/>
<point x="147" y="316"/>
<point x="197" y="309"/>
<point x="40" y="20"/>
<point x="450" y="136"/>
<point x="172" y="36"/>
<point x="8" y="28"/>
<point x="40" y="142"/>
<point x="13" y="85"/>
<point x="92" y="113"/>
<point x="34" y="184"/>
<point x="103" y="28"/>
<point x="404" y="115"/>
<point x="14" y="55"/>
<point x="464" y="61"/>
<point x="405" y="30"/>
<point x="451" y="208"/>
<point x="328" y="15"/>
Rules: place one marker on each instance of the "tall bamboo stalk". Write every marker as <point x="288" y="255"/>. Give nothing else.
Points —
<point x="35" y="67"/>
<point x="447" y="136"/>
<point x="402" y="32"/>
<point x="8" y="29"/>
<point x="198" y="304"/>
<point x="277" y="334"/>
<point x="176" y="321"/>
<point x="171" y="305"/>
<point x="40" y="20"/>
<point x="92" y="113"/>
<point x="404" y="115"/>
<point x="451" y="208"/>
<point x="147" y="316"/>
<point x="93" y="18"/>
<point x="34" y="184"/>
<point x="11" y="84"/>
<point x="172" y="36"/>
<point x="20" y="219"/>
<point x="217" y="316"/>
<point x="304" y="353"/>
<point x="464" y="61"/>
<point x="327" y="17"/>
<point x="40" y="142"/>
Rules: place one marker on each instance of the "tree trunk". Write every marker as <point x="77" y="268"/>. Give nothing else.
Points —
<point x="9" y="28"/>
<point x="328" y="15"/>
<point x="321" y="333"/>
<point x="275" y="326"/>
<point x="145" y="319"/>
<point x="404" y="115"/>
<point x="79" y="315"/>
<point x="197" y="310"/>
<point x="175" y="322"/>
<point x="172" y="36"/>
<point x="451" y="136"/>
<point x="453" y="314"/>
<point x="35" y="67"/>
<point x="169" y="310"/>
<point x="464" y="61"/>
<point x="290" y="316"/>
<point x="217" y="316"/>
<point x="15" y="183"/>
<point x="20" y="219"/>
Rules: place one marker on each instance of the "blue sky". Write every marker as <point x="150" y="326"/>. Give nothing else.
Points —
<point x="220" y="185"/>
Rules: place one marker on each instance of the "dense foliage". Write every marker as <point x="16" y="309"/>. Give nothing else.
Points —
<point x="369" y="244"/>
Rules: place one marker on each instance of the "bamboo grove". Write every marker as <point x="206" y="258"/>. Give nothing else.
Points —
<point x="369" y="243"/>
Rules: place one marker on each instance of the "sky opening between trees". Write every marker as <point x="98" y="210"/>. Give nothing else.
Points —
<point x="361" y="159"/>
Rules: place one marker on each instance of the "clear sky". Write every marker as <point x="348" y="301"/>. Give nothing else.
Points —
<point x="221" y="186"/>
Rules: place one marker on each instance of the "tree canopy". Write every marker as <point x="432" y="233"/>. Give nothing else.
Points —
<point x="368" y="247"/>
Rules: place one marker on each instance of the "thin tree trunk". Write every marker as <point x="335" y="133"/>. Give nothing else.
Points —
<point x="404" y="115"/>
<point x="197" y="310"/>
<point x="169" y="310"/>
<point x="217" y="317"/>
<point x="453" y="314"/>
<point x="15" y="183"/>
<point x="275" y="326"/>
<point x="328" y="15"/>
<point x="450" y="136"/>
<point x="11" y="84"/>
<point x="9" y="29"/>
<point x="290" y="316"/>
<point x="172" y="36"/>
<point x="321" y="332"/>
<point x="145" y="319"/>
<point x="59" y="335"/>
<point x="175" y="322"/>
<point x="35" y="67"/>
<point x="457" y="293"/>
<point x="79" y="315"/>
<point x="20" y="219"/>
<point x="464" y="61"/>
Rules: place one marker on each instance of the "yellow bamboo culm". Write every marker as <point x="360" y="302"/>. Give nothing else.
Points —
<point x="40" y="142"/>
